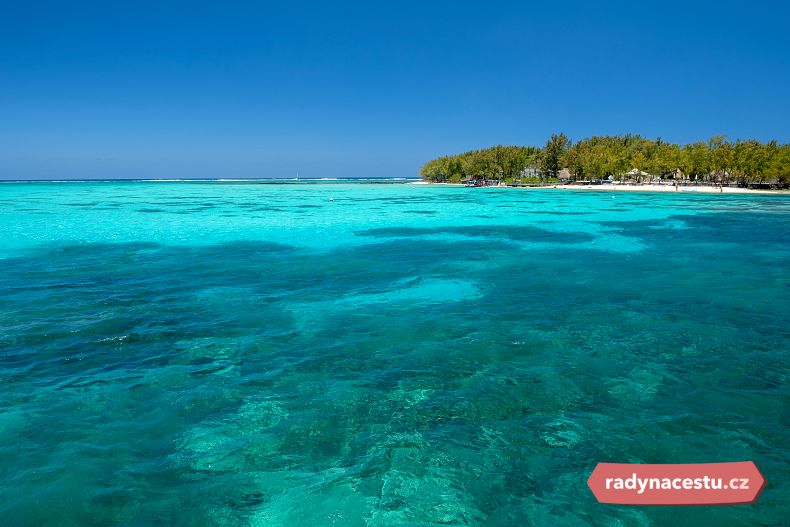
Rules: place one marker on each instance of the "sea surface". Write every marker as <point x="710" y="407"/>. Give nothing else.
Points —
<point x="232" y="354"/>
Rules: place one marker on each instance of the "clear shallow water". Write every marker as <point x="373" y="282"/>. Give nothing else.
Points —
<point x="241" y="354"/>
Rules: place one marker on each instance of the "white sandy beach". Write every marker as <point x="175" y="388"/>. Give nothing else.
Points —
<point x="609" y="187"/>
<point x="617" y="187"/>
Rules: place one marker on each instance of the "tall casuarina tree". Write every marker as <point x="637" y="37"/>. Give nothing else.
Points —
<point x="554" y="154"/>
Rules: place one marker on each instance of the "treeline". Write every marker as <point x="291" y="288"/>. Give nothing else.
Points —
<point x="621" y="157"/>
<point x="497" y="162"/>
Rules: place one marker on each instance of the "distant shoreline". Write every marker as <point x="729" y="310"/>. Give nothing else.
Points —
<point x="608" y="187"/>
<point x="284" y="181"/>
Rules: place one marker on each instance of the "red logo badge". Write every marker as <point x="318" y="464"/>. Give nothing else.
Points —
<point x="693" y="484"/>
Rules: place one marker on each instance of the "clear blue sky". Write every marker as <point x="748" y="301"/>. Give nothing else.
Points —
<point x="333" y="89"/>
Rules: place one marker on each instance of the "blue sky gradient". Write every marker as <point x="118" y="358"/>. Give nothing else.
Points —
<point x="365" y="89"/>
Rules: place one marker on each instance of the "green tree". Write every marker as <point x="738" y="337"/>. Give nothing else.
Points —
<point x="695" y="160"/>
<point x="554" y="154"/>
<point x="746" y="161"/>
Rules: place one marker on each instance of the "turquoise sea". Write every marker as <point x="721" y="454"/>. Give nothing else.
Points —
<point x="360" y="354"/>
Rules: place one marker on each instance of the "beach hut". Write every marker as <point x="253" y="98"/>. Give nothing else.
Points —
<point x="564" y="175"/>
<point x="637" y="174"/>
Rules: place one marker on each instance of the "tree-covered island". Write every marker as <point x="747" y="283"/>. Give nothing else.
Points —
<point x="630" y="158"/>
